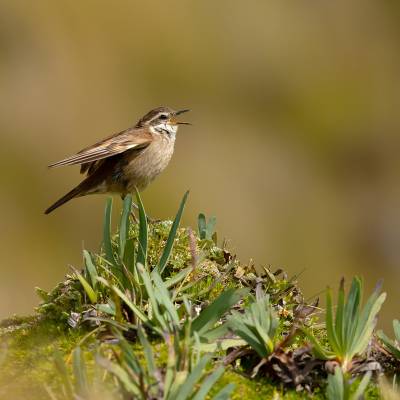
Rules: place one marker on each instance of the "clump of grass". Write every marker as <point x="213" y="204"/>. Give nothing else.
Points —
<point x="350" y="330"/>
<point x="257" y="325"/>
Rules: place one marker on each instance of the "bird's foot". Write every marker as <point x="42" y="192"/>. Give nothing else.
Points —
<point x="136" y="219"/>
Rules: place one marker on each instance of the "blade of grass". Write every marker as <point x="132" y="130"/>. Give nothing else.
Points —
<point x="125" y="247"/>
<point x="148" y="353"/>
<point x="109" y="254"/>
<point x="210" y="315"/>
<point x="90" y="268"/>
<point x="367" y="316"/>
<point x="367" y="323"/>
<point x="208" y="384"/>
<point x="88" y="289"/>
<point x="202" y="225"/>
<point x="124" y="225"/>
<point x="396" y="328"/>
<point x="143" y="232"/>
<point x="132" y="306"/>
<point x="330" y="326"/>
<point x="352" y="307"/>
<point x="180" y="276"/>
<point x="62" y="370"/>
<point x="171" y="237"/>
<point x="164" y="297"/>
<point x="317" y="349"/>
<point x="225" y="392"/>
<point x="80" y="375"/>
<point x="129" y="255"/>
<point x="130" y="385"/>
<point x="135" y="365"/>
<point x="335" y="389"/>
<point x="362" y="386"/>
<point x="215" y="333"/>
<point x="170" y="367"/>
<point x="339" y="319"/>
<point x="152" y="297"/>
<point x="185" y="389"/>
<point x="212" y="221"/>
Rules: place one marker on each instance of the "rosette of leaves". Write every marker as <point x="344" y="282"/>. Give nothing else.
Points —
<point x="350" y="330"/>
<point x="257" y="325"/>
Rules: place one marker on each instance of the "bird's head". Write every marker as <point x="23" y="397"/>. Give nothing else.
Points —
<point x="162" y="120"/>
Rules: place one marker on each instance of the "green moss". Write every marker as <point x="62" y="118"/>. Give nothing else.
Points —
<point x="29" y="345"/>
<point x="259" y="388"/>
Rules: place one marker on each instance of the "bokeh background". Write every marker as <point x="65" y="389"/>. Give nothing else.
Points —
<point x="295" y="143"/>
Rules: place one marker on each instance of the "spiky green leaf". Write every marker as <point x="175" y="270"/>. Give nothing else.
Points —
<point x="171" y="237"/>
<point x="143" y="232"/>
<point x="107" y="242"/>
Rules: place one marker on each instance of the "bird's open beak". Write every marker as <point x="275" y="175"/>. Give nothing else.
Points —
<point x="179" y="122"/>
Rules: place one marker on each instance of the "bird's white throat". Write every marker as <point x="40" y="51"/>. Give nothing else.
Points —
<point x="164" y="128"/>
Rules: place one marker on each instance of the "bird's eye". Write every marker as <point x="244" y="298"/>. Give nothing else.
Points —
<point x="163" y="117"/>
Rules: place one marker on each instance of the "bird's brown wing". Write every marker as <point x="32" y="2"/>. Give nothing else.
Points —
<point x="132" y="138"/>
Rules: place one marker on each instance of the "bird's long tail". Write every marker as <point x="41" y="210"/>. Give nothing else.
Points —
<point x="75" y="192"/>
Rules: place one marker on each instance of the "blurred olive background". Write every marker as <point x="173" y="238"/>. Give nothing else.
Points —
<point x="295" y="143"/>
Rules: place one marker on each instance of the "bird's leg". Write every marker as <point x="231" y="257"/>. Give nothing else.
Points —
<point x="134" y="207"/>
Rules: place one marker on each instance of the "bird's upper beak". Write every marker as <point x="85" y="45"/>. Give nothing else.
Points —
<point x="181" y="111"/>
<point x="175" y="121"/>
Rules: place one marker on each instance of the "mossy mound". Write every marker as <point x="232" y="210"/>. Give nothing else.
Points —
<point x="69" y="316"/>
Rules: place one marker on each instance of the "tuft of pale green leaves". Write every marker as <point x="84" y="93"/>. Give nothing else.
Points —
<point x="350" y="330"/>
<point x="257" y="325"/>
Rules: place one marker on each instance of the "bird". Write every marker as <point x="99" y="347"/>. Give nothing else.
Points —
<point x="125" y="161"/>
